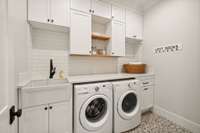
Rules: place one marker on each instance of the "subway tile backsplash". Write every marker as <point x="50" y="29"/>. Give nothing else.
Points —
<point x="41" y="59"/>
<point x="48" y="45"/>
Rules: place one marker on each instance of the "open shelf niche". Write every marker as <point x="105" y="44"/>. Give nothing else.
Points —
<point x="101" y="36"/>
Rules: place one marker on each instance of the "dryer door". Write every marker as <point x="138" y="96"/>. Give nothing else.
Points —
<point x="94" y="112"/>
<point x="128" y="105"/>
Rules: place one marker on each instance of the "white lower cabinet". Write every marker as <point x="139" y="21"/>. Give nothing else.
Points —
<point x="59" y="118"/>
<point x="34" y="120"/>
<point x="51" y="118"/>
<point x="147" y="93"/>
<point x="147" y="97"/>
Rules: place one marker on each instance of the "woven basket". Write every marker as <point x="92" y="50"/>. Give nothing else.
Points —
<point x="134" y="68"/>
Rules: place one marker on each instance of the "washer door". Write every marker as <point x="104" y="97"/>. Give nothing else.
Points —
<point x="128" y="105"/>
<point x="94" y="112"/>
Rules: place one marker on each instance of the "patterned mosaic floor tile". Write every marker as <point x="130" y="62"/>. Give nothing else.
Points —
<point x="153" y="123"/>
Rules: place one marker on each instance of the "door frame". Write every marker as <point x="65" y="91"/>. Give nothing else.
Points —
<point x="8" y="68"/>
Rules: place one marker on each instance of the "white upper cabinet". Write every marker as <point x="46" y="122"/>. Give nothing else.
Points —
<point x="60" y="11"/>
<point x="80" y="36"/>
<point x="118" y="39"/>
<point x="38" y="10"/>
<point x="118" y="13"/>
<point x="102" y="9"/>
<point x="81" y="5"/>
<point x="49" y="11"/>
<point x="134" y="25"/>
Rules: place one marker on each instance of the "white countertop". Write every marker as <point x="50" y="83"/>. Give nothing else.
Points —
<point x="103" y="77"/>
<point x="96" y="77"/>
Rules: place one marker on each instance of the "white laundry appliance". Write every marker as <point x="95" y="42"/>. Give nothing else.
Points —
<point x="93" y="108"/>
<point x="127" y="113"/>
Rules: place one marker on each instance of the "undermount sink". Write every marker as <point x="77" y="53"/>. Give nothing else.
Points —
<point x="46" y="83"/>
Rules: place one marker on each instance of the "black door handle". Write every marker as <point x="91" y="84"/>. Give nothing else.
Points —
<point x="14" y="114"/>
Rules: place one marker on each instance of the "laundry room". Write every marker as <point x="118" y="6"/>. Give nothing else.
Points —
<point x="100" y="66"/>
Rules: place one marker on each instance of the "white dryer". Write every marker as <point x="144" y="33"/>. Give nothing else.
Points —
<point x="93" y="108"/>
<point x="127" y="113"/>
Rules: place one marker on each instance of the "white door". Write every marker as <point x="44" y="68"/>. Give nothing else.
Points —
<point x="7" y="73"/>
<point x="60" y="118"/>
<point x="118" y="39"/>
<point x="118" y="13"/>
<point x="38" y="10"/>
<point x="101" y="8"/>
<point x="60" y="12"/>
<point x="34" y="120"/>
<point x="81" y="5"/>
<point x="80" y="36"/>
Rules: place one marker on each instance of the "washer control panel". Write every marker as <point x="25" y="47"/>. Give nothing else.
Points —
<point x="92" y="88"/>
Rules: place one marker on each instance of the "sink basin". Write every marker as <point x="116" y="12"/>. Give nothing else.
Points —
<point x="46" y="83"/>
<point x="40" y="92"/>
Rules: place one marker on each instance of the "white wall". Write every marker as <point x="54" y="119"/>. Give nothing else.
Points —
<point x="19" y="34"/>
<point x="3" y="42"/>
<point x="177" y="74"/>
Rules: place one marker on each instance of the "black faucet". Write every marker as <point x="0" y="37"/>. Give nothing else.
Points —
<point x="52" y="69"/>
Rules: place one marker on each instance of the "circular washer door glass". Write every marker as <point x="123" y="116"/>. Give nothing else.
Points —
<point x="96" y="110"/>
<point x="129" y="103"/>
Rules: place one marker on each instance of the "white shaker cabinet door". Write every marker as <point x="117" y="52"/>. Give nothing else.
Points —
<point x="80" y="36"/>
<point x="147" y="97"/>
<point x="118" y="13"/>
<point x="134" y="25"/>
<point x="38" y="10"/>
<point x="60" y="12"/>
<point x="118" y="39"/>
<point x="34" y="120"/>
<point x="81" y="5"/>
<point x="60" y="118"/>
<point x="101" y="8"/>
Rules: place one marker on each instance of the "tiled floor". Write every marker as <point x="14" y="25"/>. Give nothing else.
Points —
<point x="152" y="123"/>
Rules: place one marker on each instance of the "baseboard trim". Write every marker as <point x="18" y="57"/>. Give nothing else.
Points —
<point x="188" y="124"/>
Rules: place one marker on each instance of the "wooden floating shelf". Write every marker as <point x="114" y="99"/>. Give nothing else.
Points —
<point x="93" y="55"/>
<point x="99" y="36"/>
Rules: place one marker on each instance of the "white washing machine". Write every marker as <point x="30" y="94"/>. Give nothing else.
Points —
<point x="127" y="113"/>
<point x="93" y="108"/>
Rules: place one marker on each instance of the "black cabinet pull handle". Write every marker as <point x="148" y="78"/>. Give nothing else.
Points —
<point x="45" y="108"/>
<point x="50" y="107"/>
<point x="52" y="21"/>
<point x="146" y="89"/>
<point x="48" y="20"/>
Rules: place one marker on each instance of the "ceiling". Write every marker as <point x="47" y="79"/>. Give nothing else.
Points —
<point x="139" y="5"/>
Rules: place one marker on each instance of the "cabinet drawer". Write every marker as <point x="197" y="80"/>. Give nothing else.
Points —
<point x="147" y="97"/>
<point x="147" y="82"/>
<point x="45" y="95"/>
